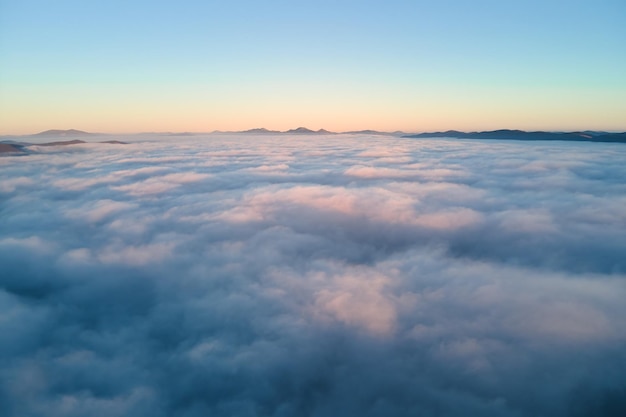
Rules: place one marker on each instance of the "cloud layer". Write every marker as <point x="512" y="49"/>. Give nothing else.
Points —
<point x="340" y="275"/>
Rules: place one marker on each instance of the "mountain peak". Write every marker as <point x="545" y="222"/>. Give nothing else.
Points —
<point x="300" y="130"/>
<point x="305" y="131"/>
<point x="62" y="133"/>
<point x="260" y="131"/>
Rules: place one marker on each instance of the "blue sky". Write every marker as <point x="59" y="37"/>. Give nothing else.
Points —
<point x="413" y="65"/>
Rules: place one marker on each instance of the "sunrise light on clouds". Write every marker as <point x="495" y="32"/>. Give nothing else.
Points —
<point x="426" y="219"/>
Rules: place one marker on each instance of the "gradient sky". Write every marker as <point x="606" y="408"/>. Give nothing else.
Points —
<point x="129" y="66"/>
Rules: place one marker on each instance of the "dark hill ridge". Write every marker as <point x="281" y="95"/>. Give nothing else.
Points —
<point x="63" y="143"/>
<point x="507" y="134"/>
<point x="78" y="142"/>
<point x="114" y="142"/>
<point x="13" y="147"/>
<point x="10" y="148"/>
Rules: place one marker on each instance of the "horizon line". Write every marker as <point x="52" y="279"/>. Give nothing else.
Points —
<point x="305" y="130"/>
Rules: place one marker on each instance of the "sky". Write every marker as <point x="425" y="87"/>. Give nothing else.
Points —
<point x="131" y="66"/>
<point x="352" y="275"/>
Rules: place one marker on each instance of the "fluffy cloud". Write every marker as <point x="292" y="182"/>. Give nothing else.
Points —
<point x="339" y="275"/>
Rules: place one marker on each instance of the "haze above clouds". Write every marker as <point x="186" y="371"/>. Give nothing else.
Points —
<point x="410" y="65"/>
<point x="338" y="275"/>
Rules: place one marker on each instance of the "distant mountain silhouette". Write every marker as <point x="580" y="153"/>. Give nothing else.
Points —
<point x="502" y="134"/>
<point x="374" y="132"/>
<point x="594" y="132"/>
<point x="305" y="131"/>
<point x="260" y="131"/>
<point x="507" y="134"/>
<point x="300" y="131"/>
<point x="62" y="133"/>
<point x="264" y="131"/>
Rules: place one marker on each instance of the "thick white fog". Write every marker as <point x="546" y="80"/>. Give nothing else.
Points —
<point x="313" y="276"/>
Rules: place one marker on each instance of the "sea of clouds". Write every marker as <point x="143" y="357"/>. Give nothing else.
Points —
<point x="313" y="276"/>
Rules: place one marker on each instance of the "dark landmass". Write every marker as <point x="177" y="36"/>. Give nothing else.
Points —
<point x="10" y="148"/>
<point x="13" y="147"/>
<point x="506" y="134"/>
<point x="595" y="133"/>
<point x="62" y="143"/>
<point x="14" y="142"/>
<point x="79" y="142"/>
